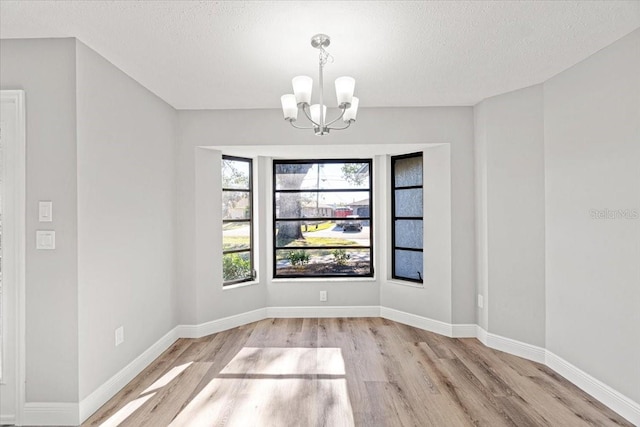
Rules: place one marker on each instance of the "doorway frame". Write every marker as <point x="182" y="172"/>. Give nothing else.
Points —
<point x="16" y="228"/>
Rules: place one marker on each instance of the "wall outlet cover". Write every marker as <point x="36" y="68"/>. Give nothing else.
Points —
<point x="119" y="335"/>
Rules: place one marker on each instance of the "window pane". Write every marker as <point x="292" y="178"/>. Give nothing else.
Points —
<point x="409" y="233"/>
<point x="408" y="171"/>
<point x="236" y="266"/>
<point x="236" y="235"/>
<point x="235" y="205"/>
<point x="409" y="202"/>
<point x="235" y="174"/>
<point x="319" y="206"/>
<point x="408" y="264"/>
<point x="322" y="204"/>
<point x="321" y="233"/>
<point x="344" y="175"/>
<point x="237" y="224"/>
<point x="325" y="262"/>
<point x="330" y="175"/>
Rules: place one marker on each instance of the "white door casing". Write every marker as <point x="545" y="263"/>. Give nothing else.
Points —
<point x="13" y="145"/>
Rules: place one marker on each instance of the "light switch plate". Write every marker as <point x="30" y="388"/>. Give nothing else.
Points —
<point x="45" y="239"/>
<point x="45" y="211"/>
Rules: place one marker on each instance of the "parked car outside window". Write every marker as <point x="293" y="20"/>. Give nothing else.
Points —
<point x="352" y="222"/>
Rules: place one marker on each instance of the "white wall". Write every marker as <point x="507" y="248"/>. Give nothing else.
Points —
<point x="592" y="161"/>
<point x="453" y="126"/>
<point x="211" y="301"/>
<point x="126" y="204"/>
<point x="101" y="147"/>
<point x="510" y="181"/>
<point x="433" y="299"/>
<point x="548" y="159"/>
<point x="45" y="69"/>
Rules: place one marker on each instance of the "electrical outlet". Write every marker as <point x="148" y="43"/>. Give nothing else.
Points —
<point x="119" y="335"/>
<point x="480" y="301"/>
<point x="323" y="296"/>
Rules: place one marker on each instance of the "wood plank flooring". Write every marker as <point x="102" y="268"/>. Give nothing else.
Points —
<point x="346" y="372"/>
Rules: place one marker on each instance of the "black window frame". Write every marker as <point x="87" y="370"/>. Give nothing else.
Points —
<point x="368" y="191"/>
<point x="394" y="218"/>
<point x="251" y="250"/>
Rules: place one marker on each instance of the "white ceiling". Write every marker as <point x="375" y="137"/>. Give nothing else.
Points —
<point x="213" y="54"/>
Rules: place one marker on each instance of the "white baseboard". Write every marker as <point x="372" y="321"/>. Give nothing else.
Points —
<point x="511" y="346"/>
<point x="219" y="325"/>
<point x="7" y="419"/>
<point x="464" y="330"/>
<point x="596" y="388"/>
<point x="416" y="321"/>
<point x="481" y="334"/>
<point x="72" y="414"/>
<point x="322" y="311"/>
<point x="106" y="391"/>
<point x="50" y="414"/>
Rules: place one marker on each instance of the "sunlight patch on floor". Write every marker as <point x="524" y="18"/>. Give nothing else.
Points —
<point x="125" y="411"/>
<point x="167" y="378"/>
<point x="274" y="386"/>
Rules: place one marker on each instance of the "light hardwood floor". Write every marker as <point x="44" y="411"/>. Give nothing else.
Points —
<point x="346" y="372"/>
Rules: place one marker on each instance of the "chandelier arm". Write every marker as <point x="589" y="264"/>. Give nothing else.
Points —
<point x="344" y="127"/>
<point x="300" y="127"/>
<point x="337" y="118"/>
<point x="306" y="113"/>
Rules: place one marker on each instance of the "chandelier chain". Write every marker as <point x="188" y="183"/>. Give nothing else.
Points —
<point x="325" y="56"/>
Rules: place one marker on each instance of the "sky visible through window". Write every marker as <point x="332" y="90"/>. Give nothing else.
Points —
<point x="331" y="177"/>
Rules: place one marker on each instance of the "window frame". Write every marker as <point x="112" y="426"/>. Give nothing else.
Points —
<point x="275" y="219"/>
<point x="394" y="218"/>
<point x="250" y="220"/>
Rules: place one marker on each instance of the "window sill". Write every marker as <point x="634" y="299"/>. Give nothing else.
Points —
<point x="240" y="285"/>
<point x="403" y="283"/>
<point x="324" y="280"/>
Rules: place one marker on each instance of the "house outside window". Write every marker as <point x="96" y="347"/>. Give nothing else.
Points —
<point x="237" y="220"/>
<point x="322" y="218"/>
<point x="407" y="217"/>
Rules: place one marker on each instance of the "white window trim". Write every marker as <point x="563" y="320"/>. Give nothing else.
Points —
<point x="16" y="232"/>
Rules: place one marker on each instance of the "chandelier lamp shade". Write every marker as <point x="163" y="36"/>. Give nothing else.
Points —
<point x="316" y="114"/>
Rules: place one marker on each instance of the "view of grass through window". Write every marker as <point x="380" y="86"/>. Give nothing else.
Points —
<point x="237" y="220"/>
<point x="322" y="216"/>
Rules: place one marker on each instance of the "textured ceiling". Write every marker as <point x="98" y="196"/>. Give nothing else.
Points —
<point x="206" y="54"/>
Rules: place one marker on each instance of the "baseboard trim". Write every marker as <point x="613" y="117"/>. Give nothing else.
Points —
<point x="511" y="346"/>
<point x="464" y="330"/>
<point x="323" y="312"/>
<point x="416" y="321"/>
<point x="219" y="325"/>
<point x="596" y="388"/>
<point x="50" y="414"/>
<point x="106" y="391"/>
<point x="481" y="334"/>
<point x="72" y="414"/>
<point x="7" y="419"/>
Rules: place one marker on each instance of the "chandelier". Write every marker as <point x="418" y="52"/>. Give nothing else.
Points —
<point x="317" y="113"/>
